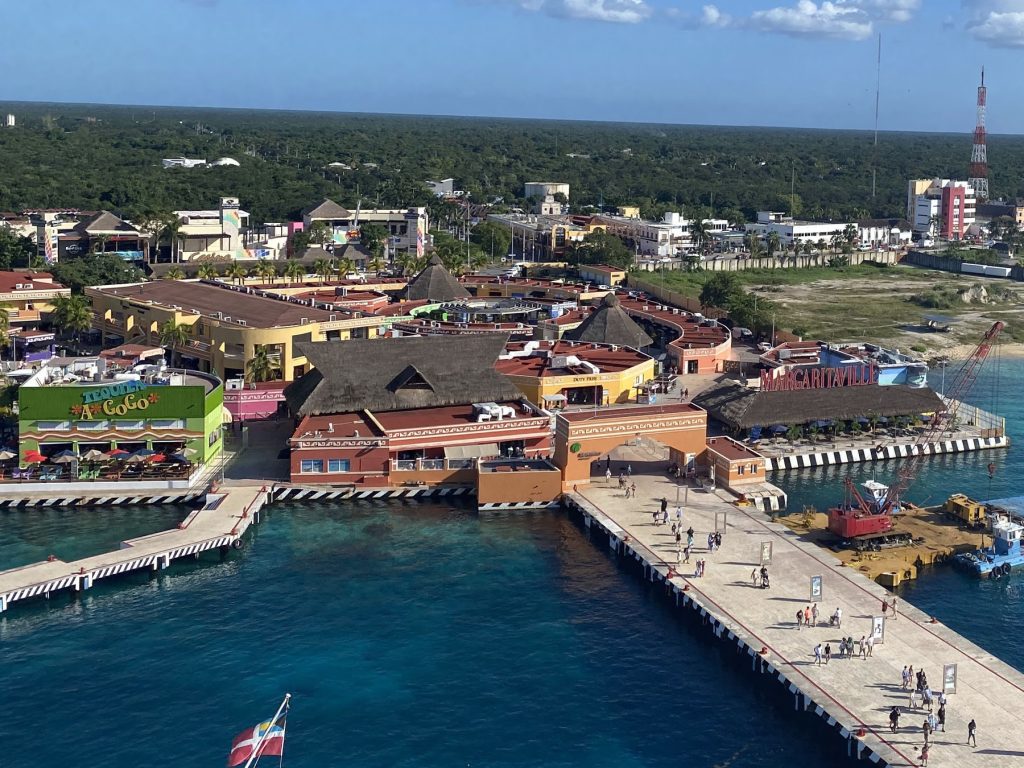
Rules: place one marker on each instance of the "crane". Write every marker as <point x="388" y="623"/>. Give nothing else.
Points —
<point x="861" y="516"/>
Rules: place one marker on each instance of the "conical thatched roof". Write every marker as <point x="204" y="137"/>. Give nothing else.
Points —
<point x="435" y="283"/>
<point x="326" y="209"/>
<point x="610" y="324"/>
<point x="398" y="374"/>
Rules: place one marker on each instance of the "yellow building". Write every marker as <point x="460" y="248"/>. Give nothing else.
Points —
<point x="603" y="274"/>
<point x="225" y="324"/>
<point x="554" y="374"/>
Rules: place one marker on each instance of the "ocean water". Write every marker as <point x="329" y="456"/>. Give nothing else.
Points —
<point x="409" y="636"/>
<point x="990" y="613"/>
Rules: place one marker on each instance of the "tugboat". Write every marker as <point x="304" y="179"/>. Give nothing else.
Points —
<point x="1003" y="556"/>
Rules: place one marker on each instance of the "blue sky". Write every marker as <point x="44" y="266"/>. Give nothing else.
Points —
<point x="734" y="62"/>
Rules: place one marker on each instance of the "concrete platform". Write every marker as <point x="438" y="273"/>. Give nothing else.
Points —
<point x="220" y="523"/>
<point x="850" y="693"/>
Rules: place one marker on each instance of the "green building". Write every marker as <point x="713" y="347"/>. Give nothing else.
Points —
<point x="78" y="404"/>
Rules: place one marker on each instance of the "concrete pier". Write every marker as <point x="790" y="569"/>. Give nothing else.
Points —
<point x="853" y="695"/>
<point x="219" y="523"/>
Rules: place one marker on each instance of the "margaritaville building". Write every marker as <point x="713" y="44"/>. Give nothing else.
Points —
<point x="81" y="405"/>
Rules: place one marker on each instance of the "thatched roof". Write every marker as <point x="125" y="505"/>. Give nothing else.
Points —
<point x="610" y="324"/>
<point x="105" y="222"/>
<point x="742" y="408"/>
<point x="326" y="209"/>
<point x="399" y="374"/>
<point x="435" y="283"/>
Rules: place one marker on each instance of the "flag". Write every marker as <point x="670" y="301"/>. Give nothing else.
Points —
<point x="267" y="738"/>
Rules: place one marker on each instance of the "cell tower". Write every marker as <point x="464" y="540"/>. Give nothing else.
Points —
<point x="979" y="155"/>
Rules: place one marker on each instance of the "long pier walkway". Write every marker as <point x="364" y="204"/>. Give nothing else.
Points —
<point x="219" y="523"/>
<point x="853" y="694"/>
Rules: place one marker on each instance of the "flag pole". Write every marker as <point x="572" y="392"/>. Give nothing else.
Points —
<point x="259" y="742"/>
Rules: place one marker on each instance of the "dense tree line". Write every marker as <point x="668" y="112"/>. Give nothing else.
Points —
<point x="109" y="157"/>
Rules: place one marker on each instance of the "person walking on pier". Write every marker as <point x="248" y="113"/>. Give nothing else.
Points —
<point x="924" y="754"/>
<point x="905" y="678"/>
<point x="870" y="645"/>
<point x="913" y="698"/>
<point x="933" y="722"/>
<point x="942" y="718"/>
<point x="686" y="554"/>
<point x="893" y="606"/>
<point x="632" y="490"/>
<point x="664" y="505"/>
<point x="679" y="516"/>
<point x="814" y="615"/>
<point x="799" y="619"/>
<point x="679" y="553"/>
<point x="926" y="729"/>
<point x="629" y="470"/>
<point x="608" y="476"/>
<point x="807" y="616"/>
<point x="926" y="697"/>
<point x="894" y="719"/>
<point x="885" y="607"/>
<point x="718" y="539"/>
<point x="837" y="618"/>
<point x="862" y="647"/>
<point x="972" y="728"/>
<point x="817" y="654"/>
<point x="828" y="653"/>
<point x="753" y="578"/>
<point x="842" y="647"/>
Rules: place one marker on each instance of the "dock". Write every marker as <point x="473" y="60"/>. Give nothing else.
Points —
<point x="852" y="695"/>
<point x="219" y="524"/>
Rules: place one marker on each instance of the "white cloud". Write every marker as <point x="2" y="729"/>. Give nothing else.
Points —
<point x="614" y="11"/>
<point x="997" y="22"/>
<point x="810" y="19"/>
<point x="710" y="16"/>
<point x="887" y="10"/>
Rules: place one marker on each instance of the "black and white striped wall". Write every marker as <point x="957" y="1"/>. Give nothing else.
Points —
<point x="854" y="455"/>
<point x="522" y="506"/>
<point x="298" y="493"/>
<point x="13" y="502"/>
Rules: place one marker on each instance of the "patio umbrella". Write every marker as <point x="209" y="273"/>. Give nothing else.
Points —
<point x="93" y="455"/>
<point x="116" y="453"/>
<point x="7" y="453"/>
<point x="779" y="428"/>
<point x="142" y="454"/>
<point x="157" y="457"/>
<point x="64" y="457"/>
<point x="177" y="458"/>
<point x="186" y="452"/>
<point x="33" y="457"/>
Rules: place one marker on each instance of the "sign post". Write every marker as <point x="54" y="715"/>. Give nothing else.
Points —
<point x="721" y="520"/>
<point x="766" y="552"/>
<point x="878" y="629"/>
<point x="816" y="589"/>
<point x="949" y="678"/>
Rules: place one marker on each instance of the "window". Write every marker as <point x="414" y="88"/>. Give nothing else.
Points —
<point x="130" y="426"/>
<point x="753" y="469"/>
<point x="311" y="466"/>
<point x="337" y="465"/>
<point x="167" y="424"/>
<point x="52" y="425"/>
<point x="741" y="470"/>
<point x="98" y="426"/>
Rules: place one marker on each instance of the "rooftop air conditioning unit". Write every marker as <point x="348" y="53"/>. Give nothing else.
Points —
<point x="196" y="312"/>
<point x="241" y="322"/>
<point x="218" y="315"/>
<point x="18" y="286"/>
<point x="304" y="321"/>
<point x="332" y="317"/>
<point x="234" y="384"/>
<point x="227" y="319"/>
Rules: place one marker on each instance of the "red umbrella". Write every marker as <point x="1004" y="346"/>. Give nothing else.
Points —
<point x="116" y="452"/>
<point x="34" y="457"/>
<point x="157" y="457"/>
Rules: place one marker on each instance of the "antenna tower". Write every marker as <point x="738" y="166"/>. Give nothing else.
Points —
<point x="979" y="154"/>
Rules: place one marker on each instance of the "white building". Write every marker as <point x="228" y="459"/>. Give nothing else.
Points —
<point x="181" y="162"/>
<point x="792" y="231"/>
<point x="542" y="189"/>
<point x="883" y="234"/>
<point x="407" y="227"/>
<point x="943" y="208"/>
<point x="669" y="237"/>
<point x="9" y="121"/>
<point x="216" y="233"/>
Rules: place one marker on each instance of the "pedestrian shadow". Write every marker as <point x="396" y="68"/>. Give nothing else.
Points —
<point x="789" y="599"/>
<point x="1009" y="752"/>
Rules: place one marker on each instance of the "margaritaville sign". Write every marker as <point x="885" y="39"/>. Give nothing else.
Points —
<point x="113" y="400"/>
<point x="819" y="378"/>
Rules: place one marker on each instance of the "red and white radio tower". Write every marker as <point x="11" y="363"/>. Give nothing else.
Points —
<point x="979" y="154"/>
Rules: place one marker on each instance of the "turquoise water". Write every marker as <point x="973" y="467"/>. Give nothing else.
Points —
<point x="409" y="636"/>
<point x="71" y="533"/>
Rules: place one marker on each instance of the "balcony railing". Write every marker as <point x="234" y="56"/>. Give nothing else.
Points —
<point x="430" y="465"/>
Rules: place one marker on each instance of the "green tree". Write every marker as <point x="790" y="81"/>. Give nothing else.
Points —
<point x="175" y="337"/>
<point x="700" y="234"/>
<point x="851" y="234"/>
<point x="323" y="269"/>
<point x="345" y="267"/>
<point x="95" y="269"/>
<point x="294" y="271"/>
<point x="174" y="273"/>
<point x="772" y="243"/>
<point x="493" y="239"/>
<point x="72" y="315"/>
<point x="719" y="289"/>
<point x="266" y="270"/>
<point x="260" y="367"/>
<point x="236" y="272"/>
<point x="207" y="272"/>
<point x="319" y="233"/>
<point x="15" y="250"/>
<point x="599" y="247"/>
<point x="753" y="243"/>
<point x="373" y="237"/>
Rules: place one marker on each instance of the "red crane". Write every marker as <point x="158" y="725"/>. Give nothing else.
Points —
<point x="860" y="517"/>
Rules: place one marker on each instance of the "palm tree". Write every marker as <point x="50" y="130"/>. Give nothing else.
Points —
<point x="236" y="272"/>
<point x="345" y="266"/>
<point x="375" y="265"/>
<point x="820" y="245"/>
<point x="294" y="271"/>
<point x="260" y="367"/>
<point x="837" y="240"/>
<point x="700" y="233"/>
<point x="175" y="337"/>
<point x="753" y="243"/>
<point x="207" y="272"/>
<point x="773" y="242"/>
<point x="72" y="315"/>
<point x="266" y="270"/>
<point x="98" y="243"/>
<point x="174" y="273"/>
<point x="323" y="269"/>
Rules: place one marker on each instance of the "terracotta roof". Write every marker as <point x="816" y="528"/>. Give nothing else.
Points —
<point x="41" y="281"/>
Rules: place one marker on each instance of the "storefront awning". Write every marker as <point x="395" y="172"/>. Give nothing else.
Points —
<point x="471" y="451"/>
<point x="226" y="417"/>
<point x="554" y="398"/>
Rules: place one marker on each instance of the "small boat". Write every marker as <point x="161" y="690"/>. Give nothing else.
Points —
<point x="1003" y="556"/>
